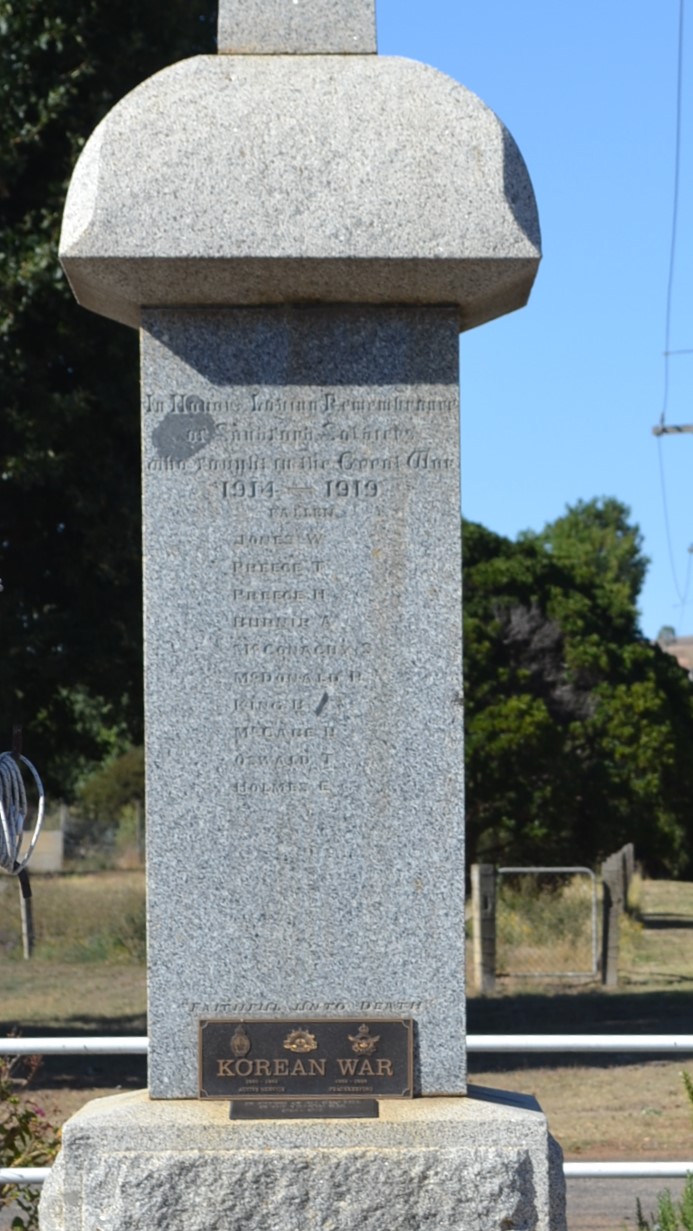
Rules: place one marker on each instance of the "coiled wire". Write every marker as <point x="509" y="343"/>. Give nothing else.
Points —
<point x="14" y="810"/>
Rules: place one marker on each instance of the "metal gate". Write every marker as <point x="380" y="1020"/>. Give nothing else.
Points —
<point x="546" y="923"/>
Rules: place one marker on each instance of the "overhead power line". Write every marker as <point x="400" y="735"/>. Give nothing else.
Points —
<point x="662" y="428"/>
<point x="674" y="212"/>
<point x="682" y="594"/>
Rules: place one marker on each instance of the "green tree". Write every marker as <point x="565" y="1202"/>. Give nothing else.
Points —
<point x="69" y="463"/>
<point x="578" y="731"/>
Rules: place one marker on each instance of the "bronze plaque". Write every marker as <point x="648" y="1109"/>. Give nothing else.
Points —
<point x="304" y="1109"/>
<point x="253" y="1058"/>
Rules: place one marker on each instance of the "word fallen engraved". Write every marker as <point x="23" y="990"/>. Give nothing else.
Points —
<point x="321" y="1058"/>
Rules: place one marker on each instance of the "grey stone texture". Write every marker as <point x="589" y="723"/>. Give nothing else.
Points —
<point x="303" y="675"/>
<point x="300" y="238"/>
<point x="272" y="179"/>
<point x="307" y="27"/>
<point x="467" y="1164"/>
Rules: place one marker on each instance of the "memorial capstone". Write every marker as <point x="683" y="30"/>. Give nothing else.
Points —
<point x="265" y="27"/>
<point x="300" y="229"/>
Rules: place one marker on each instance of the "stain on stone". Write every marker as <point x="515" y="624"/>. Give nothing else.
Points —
<point x="182" y="436"/>
<point x="321" y="704"/>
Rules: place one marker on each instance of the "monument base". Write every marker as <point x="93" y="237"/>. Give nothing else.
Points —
<point x="476" y="1163"/>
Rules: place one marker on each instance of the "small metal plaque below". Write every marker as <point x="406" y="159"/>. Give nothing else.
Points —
<point x="318" y="1058"/>
<point x="304" y="1109"/>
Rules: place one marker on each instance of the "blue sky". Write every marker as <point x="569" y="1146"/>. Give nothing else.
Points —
<point x="558" y="400"/>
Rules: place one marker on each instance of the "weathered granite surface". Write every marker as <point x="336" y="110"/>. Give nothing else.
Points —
<point x="467" y="1164"/>
<point x="307" y="27"/>
<point x="302" y="610"/>
<point x="270" y="179"/>
<point x="303" y="675"/>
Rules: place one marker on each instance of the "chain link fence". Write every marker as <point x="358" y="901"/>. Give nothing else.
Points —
<point x="546" y="923"/>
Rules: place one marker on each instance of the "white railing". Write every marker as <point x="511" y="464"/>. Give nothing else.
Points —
<point x="626" y="1171"/>
<point x="90" y="1045"/>
<point x="580" y="1042"/>
<point x="138" y="1045"/>
<point x="24" y="1175"/>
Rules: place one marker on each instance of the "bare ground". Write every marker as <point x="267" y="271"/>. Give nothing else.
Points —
<point x="599" y="1106"/>
<point x="608" y="1106"/>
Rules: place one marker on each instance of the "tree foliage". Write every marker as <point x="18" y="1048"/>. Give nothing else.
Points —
<point x="579" y="733"/>
<point x="69" y="459"/>
<point x="104" y="794"/>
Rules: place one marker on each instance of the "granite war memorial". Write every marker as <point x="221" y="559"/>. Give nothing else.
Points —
<point x="300" y="229"/>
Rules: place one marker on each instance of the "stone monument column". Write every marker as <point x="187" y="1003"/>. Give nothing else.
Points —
<point x="299" y="229"/>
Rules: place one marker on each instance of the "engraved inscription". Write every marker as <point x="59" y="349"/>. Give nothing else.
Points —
<point x="349" y="461"/>
<point x="353" y="487"/>
<point x="326" y="1056"/>
<point x="225" y="1008"/>
<point x="234" y="490"/>
<point x="423" y="459"/>
<point x="288" y="481"/>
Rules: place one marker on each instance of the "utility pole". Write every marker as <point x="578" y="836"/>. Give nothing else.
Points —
<point x="674" y="429"/>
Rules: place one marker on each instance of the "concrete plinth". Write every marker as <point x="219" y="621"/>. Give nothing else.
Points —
<point x="479" y="1163"/>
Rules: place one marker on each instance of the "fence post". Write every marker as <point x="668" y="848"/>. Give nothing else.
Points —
<point x="628" y="870"/>
<point x="612" y="908"/>
<point x="484" y="924"/>
<point x="26" y="914"/>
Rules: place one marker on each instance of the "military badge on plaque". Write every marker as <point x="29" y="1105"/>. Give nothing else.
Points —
<point x="331" y="1062"/>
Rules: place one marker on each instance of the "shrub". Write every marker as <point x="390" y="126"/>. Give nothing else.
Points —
<point x="114" y="785"/>
<point x="671" y="1215"/>
<point x="27" y="1139"/>
<point x="107" y="804"/>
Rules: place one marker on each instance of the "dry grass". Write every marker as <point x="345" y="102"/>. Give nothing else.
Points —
<point x="621" y="1111"/>
<point x="85" y="979"/>
<point x="545" y="925"/>
<point x="65" y="997"/>
<point x="95" y="917"/>
<point x="657" y="948"/>
<point x="608" y="1106"/>
<point x="598" y="1107"/>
